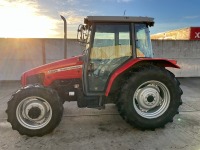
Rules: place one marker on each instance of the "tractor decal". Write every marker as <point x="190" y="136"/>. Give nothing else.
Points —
<point x="64" y="69"/>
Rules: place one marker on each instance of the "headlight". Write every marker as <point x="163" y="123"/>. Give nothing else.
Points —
<point x="34" y="79"/>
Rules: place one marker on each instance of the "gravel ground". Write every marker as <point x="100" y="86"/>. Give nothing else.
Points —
<point x="105" y="129"/>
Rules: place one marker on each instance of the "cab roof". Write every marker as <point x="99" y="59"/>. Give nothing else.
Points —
<point x="119" y="19"/>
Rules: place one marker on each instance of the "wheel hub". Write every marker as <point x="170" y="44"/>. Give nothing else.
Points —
<point x="34" y="112"/>
<point x="148" y="97"/>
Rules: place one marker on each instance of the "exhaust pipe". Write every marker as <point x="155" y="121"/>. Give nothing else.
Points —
<point x="65" y="36"/>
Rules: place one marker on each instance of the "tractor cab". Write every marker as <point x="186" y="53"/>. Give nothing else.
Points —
<point x="109" y="43"/>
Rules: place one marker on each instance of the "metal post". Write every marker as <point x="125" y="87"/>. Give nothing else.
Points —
<point x="43" y="52"/>
<point x="65" y="36"/>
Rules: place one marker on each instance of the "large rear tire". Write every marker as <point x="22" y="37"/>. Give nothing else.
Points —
<point x="150" y="98"/>
<point x="34" y="111"/>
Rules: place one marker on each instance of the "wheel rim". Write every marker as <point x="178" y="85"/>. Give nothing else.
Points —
<point x="34" y="112"/>
<point x="151" y="99"/>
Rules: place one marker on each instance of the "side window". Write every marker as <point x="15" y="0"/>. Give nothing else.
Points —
<point x="143" y="41"/>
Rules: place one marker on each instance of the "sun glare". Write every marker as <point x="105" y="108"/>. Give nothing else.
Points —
<point x="21" y="20"/>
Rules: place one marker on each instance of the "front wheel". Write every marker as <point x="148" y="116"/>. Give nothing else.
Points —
<point x="150" y="98"/>
<point x="34" y="111"/>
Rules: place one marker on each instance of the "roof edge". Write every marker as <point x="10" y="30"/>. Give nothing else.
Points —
<point x="90" y="19"/>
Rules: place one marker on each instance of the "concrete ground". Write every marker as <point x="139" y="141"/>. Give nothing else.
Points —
<point x="105" y="129"/>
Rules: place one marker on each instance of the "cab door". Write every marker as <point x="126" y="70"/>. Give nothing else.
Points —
<point x="110" y="48"/>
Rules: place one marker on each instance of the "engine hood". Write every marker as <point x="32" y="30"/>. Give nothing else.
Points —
<point x="54" y="70"/>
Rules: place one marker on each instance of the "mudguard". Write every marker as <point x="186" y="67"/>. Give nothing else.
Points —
<point x="162" y="62"/>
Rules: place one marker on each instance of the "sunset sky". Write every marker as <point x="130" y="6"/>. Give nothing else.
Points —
<point x="41" y="18"/>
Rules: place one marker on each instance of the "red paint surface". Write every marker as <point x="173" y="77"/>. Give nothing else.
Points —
<point x="195" y="33"/>
<point x="165" y="62"/>
<point x="77" y="72"/>
<point x="50" y="77"/>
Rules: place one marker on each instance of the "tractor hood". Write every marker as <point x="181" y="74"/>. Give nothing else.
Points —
<point x="62" y="69"/>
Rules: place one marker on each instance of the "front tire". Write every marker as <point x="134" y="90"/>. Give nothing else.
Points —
<point x="34" y="111"/>
<point x="150" y="98"/>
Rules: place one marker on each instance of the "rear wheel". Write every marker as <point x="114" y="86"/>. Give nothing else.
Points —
<point x="34" y="111"/>
<point x="150" y="98"/>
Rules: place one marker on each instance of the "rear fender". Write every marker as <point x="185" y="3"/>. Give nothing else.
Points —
<point x="133" y="62"/>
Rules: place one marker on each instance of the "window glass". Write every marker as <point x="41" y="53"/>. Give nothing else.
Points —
<point x="143" y="41"/>
<point x="111" y="48"/>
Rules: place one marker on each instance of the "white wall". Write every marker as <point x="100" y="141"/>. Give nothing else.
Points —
<point x="19" y="55"/>
<point x="187" y="54"/>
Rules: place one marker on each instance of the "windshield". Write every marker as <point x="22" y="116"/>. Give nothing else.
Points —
<point x="143" y="41"/>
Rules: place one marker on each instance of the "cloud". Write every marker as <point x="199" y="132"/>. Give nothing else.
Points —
<point x="124" y="1"/>
<point x="72" y="17"/>
<point x="76" y="16"/>
<point x="191" y="17"/>
<point x="24" y="18"/>
<point x="66" y="2"/>
<point x="118" y="1"/>
<point x="49" y="10"/>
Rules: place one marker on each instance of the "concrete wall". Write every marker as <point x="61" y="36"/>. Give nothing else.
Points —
<point x="19" y="55"/>
<point x="187" y="54"/>
<point x="55" y="49"/>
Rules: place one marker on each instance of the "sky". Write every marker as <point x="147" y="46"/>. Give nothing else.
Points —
<point x="41" y="18"/>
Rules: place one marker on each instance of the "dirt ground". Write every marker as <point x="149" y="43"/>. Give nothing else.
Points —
<point x="90" y="129"/>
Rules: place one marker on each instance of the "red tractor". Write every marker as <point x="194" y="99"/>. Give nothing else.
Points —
<point x="117" y="66"/>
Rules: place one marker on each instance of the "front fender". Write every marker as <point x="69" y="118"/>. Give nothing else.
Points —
<point x="158" y="61"/>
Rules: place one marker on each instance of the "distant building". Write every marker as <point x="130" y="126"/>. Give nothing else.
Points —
<point x="190" y="33"/>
